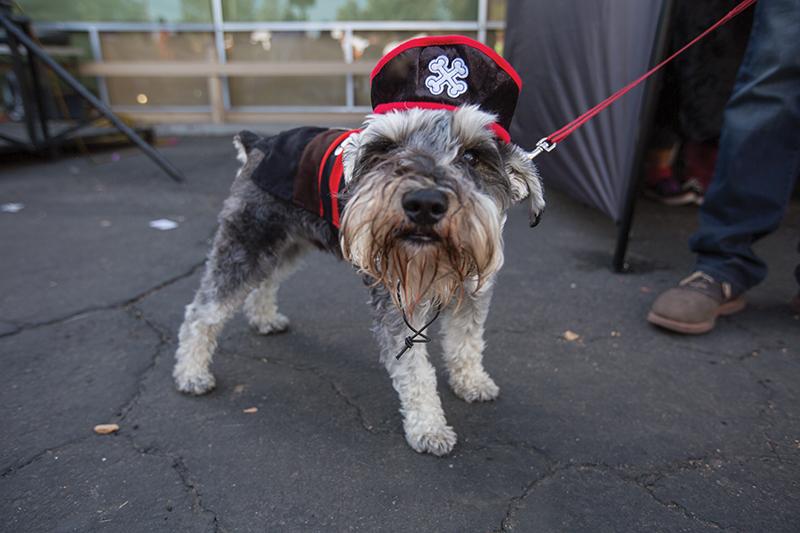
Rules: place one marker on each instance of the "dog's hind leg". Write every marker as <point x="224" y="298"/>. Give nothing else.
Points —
<point x="414" y="379"/>
<point x="238" y="261"/>
<point x="261" y="305"/>
<point x="463" y="347"/>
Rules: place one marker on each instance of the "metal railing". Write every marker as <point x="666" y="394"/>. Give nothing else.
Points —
<point x="218" y="73"/>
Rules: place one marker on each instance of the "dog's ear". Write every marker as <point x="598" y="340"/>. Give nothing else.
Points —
<point x="350" y="150"/>
<point x="525" y="182"/>
<point x="244" y="142"/>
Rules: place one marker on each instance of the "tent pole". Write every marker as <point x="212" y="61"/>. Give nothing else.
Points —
<point x="34" y="51"/>
<point x="645" y="128"/>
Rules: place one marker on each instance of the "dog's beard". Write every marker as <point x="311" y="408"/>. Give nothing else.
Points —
<point x="420" y="265"/>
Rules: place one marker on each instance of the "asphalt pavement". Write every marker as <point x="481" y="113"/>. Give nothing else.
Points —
<point x="614" y="426"/>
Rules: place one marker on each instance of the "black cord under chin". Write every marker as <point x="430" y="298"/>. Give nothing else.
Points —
<point x="412" y="339"/>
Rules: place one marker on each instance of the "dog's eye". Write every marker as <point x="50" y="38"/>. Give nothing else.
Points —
<point x="470" y="158"/>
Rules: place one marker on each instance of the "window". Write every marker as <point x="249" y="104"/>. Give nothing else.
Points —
<point x="118" y="10"/>
<point x="306" y="55"/>
<point x="331" y="10"/>
<point x="159" y="46"/>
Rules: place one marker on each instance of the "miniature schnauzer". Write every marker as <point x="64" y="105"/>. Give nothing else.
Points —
<point x="424" y="197"/>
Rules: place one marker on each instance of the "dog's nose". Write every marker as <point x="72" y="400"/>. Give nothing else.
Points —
<point x="425" y="206"/>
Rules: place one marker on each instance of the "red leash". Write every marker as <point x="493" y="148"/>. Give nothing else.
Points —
<point x="547" y="144"/>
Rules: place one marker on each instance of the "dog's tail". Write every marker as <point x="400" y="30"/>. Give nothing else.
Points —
<point x="244" y="142"/>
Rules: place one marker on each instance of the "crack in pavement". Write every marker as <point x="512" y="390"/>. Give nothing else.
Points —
<point x="518" y="444"/>
<point x="675" y="506"/>
<point x="14" y="468"/>
<point x="641" y="480"/>
<point x="179" y="466"/>
<point x="646" y="480"/>
<point x="128" y="405"/>
<point x="163" y="341"/>
<point x="660" y="472"/>
<point x="121" y="412"/>
<point x="507" y="522"/>
<point x="357" y="409"/>
<point x="771" y="409"/>
<point x="95" y="308"/>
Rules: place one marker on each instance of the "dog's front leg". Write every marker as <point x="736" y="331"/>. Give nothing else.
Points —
<point x="463" y="347"/>
<point x="414" y="379"/>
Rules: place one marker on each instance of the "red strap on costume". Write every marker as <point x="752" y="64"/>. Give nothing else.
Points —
<point x="334" y="179"/>
<point x="549" y="142"/>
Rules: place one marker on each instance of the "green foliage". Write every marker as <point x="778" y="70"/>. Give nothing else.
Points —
<point x="409" y="10"/>
<point x="118" y="10"/>
<point x="248" y="10"/>
<point x="267" y="10"/>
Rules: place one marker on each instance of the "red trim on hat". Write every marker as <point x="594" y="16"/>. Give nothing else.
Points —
<point x="380" y="109"/>
<point x="448" y="39"/>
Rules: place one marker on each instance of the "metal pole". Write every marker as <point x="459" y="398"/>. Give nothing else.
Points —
<point x="218" y="18"/>
<point x="350" y="95"/>
<point x="645" y="127"/>
<point x="25" y="89"/>
<point x="483" y="16"/>
<point x="34" y="49"/>
<point x="97" y="55"/>
<point x="41" y="105"/>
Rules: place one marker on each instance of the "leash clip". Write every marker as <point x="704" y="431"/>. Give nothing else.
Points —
<point x="544" y="145"/>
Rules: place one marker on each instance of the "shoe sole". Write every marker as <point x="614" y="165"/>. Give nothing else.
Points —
<point x="697" y="328"/>
<point x="687" y="198"/>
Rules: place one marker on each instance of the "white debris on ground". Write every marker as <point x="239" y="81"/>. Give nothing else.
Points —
<point x="11" y="208"/>
<point x="163" y="224"/>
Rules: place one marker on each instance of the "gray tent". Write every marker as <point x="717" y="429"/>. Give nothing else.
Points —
<point x="571" y="55"/>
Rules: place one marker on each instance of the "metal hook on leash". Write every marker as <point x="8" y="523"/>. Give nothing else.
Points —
<point x="543" y="145"/>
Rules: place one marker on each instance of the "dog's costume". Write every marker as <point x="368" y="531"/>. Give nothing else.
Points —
<point x="304" y="165"/>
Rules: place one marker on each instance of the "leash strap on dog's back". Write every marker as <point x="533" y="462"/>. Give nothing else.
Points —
<point x="547" y="144"/>
<point x="412" y="339"/>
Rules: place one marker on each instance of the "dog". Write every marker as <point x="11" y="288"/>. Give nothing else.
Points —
<point x="418" y="204"/>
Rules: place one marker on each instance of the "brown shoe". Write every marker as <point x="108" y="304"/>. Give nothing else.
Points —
<point x="796" y="303"/>
<point x="694" y="305"/>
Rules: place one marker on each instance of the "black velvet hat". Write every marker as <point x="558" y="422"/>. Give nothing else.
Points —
<point x="445" y="72"/>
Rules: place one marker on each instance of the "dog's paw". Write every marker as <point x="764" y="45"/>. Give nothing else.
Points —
<point x="435" y="440"/>
<point x="193" y="382"/>
<point x="277" y="323"/>
<point x="477" y="387"/>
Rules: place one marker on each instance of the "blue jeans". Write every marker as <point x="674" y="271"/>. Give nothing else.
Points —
<point x="759" y="152"/>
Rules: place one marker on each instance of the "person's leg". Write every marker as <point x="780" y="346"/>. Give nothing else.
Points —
<point x="661" y="183"/>
<point x="759" y="155"/>
<point x="797" y="269"/>
<point x="796" y="299"/>
<point x="759" y="160"/>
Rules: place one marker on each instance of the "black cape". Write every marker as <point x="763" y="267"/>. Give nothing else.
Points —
<point x="302" y="166"/>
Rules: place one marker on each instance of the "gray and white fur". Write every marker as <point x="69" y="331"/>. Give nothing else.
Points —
<point x="426" y="197"/>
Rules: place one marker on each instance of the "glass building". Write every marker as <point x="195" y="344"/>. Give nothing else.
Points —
<point x="249" y="60"/>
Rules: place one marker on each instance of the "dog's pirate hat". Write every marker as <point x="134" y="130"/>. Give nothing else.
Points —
<point x="445" y="72"/>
